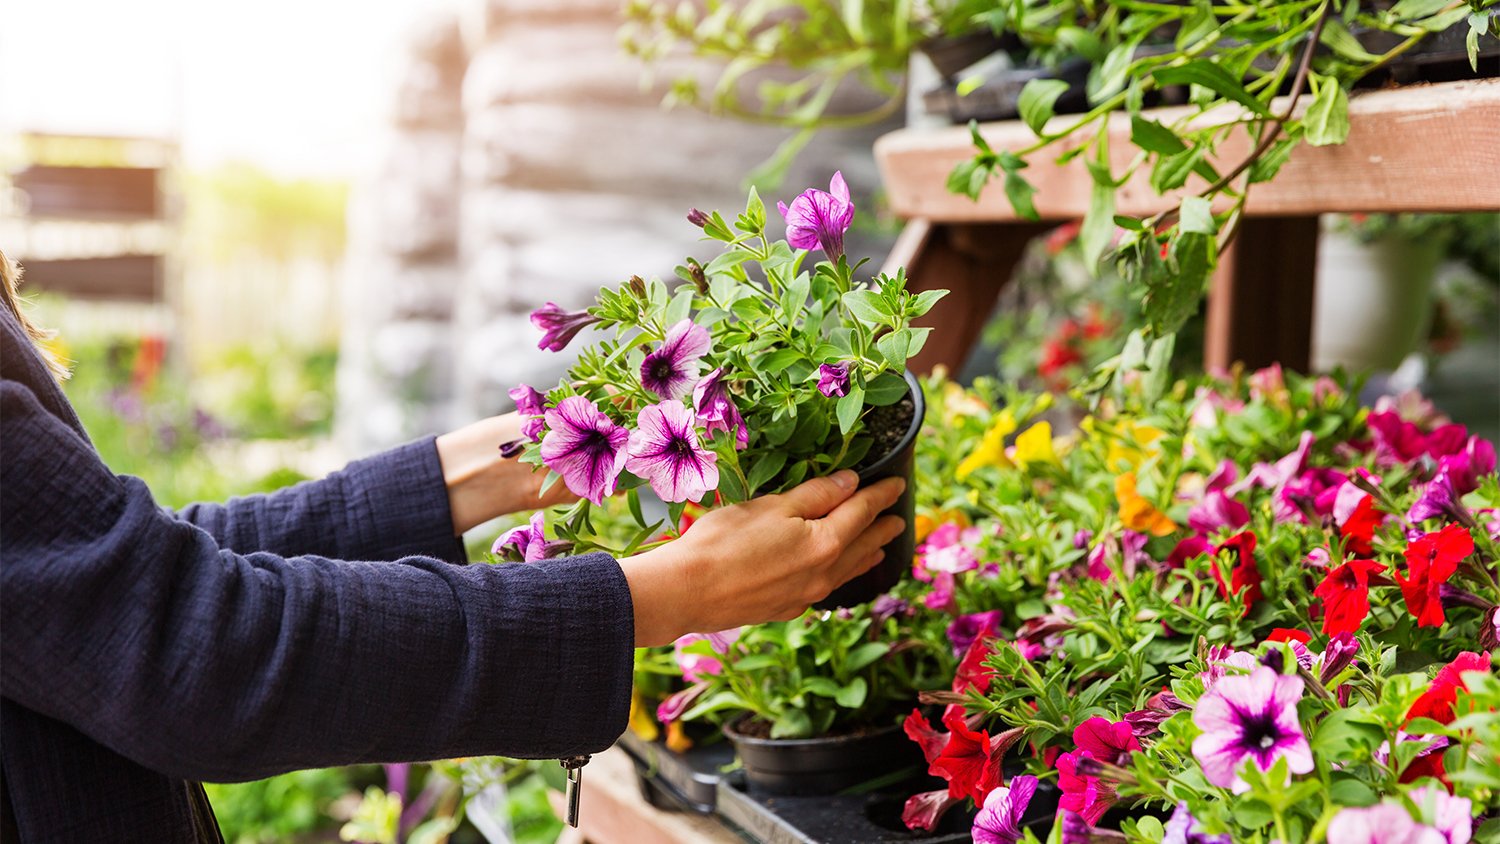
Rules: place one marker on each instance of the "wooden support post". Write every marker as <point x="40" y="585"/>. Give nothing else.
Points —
<point x="974" y="262"/>
<point x="1260" y="307"/>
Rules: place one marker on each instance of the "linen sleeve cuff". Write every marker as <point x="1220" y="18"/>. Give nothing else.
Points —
<point x="403" y="503"/>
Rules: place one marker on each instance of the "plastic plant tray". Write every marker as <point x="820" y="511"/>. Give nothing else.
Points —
<point x="678" y="781"/>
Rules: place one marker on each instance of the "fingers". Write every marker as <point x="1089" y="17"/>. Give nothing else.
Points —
<point x="850" y="518"/>
<point x="816" y="498"/>
<point x="868" y="548"/>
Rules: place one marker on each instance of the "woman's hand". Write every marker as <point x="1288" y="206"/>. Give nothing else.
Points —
<point x="766" y="559"/>
<point x="483" y="485"/>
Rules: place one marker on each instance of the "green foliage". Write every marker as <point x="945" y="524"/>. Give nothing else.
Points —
<point x="279" y="808"/>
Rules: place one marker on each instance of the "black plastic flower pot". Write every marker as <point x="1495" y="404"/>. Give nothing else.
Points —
<point x="953" y="54"/>
<point x="897" y="460"/>
<point x="826" y="765"/>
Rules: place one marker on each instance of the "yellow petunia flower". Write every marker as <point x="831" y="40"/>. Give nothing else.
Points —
<point x="1034" y="445"/>
<point x="641" y="721"/>
<point x="991" y="450"/>
<point x="677" y="738"/>
<point x="1138" y="514"/>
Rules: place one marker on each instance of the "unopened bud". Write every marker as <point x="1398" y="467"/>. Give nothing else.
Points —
<point x="512" y="448"/>
<point x="637" y="286"/>
<point x="1274" y="660"/>
<point x="697" y="218"/>
<point x="695" y="272"/>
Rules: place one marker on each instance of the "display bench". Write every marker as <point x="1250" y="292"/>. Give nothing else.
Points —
<point x="1423" y="148"/>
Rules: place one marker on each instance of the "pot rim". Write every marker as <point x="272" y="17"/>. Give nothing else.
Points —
<point x="816" y="741"/>
<point x="919" y="412"/>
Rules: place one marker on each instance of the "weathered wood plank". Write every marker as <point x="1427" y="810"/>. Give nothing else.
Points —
<point x="1419" y="148"/>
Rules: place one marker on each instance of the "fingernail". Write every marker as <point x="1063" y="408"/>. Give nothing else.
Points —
<point x="847" y="479"/>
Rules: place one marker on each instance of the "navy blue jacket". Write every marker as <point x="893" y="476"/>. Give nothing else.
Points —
<point x="142" y="650"/>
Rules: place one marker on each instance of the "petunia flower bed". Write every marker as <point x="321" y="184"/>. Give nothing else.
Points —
<point x="775" y="362"/>
<point x="1243" y="609"/>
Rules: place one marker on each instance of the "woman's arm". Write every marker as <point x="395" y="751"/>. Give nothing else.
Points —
<point x="141" y="631"/>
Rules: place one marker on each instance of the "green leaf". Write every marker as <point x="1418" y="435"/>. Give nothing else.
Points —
<point x="1269" y="164"/>
<point x="868" y="306"/>
<point x="1215" y="78"/>
<point x="794" y="296"/>
<point x="1154" y="137"/>
<point x="1327" y="119"/>
<point x="1099" y="224"/>
<point x="793" y="723"/>
<point x="864" y="655"/>
<point x="1171" y="171"/>
<point x="849" y="407"/>
<point x="1038" y="100"/>
<point x="1019" y="192"/>
<point x="777" y="361"/>
<point x="853" y="695"/>
<point x="633" y="498"/>
<point x="923" y="302"/>
<point x="1197" y="215"/>
<point x="765" y="468"/>
<point x="681" y="306"/>
<point x="820" y="686"/>
<point x="887" y="388"/>
<point x="1108" y="78"/>
<point x="1338" y="38"/>
<point x="893" y="347"/>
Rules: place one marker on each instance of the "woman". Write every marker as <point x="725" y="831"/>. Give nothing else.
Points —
<point x="142" y="651"/>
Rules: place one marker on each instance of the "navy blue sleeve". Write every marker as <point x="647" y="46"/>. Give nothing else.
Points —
<point x="142" y="632"/>
<point x="391" y="505"/>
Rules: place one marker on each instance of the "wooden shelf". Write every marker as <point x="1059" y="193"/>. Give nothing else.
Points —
<point x="1419" y="148"/>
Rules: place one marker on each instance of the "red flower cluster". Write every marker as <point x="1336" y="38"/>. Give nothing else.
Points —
<point x="1346" y="596"/>
<point x="1437" y="702"/>
<point x="1244" y="577"/>
<point x="1430" y="561"/>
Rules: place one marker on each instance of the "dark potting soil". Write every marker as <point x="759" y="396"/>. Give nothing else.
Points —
<point x="887" y="424"/>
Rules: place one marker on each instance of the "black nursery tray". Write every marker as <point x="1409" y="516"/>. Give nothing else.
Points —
<point x="837" y="819"/>
<point x="678" y="781"/>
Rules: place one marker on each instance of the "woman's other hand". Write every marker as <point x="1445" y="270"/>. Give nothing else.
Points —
<point x="766" y="559"/>
<point x="482" y="485"/>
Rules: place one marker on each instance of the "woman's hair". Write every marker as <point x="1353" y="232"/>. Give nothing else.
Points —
<point x="10" y="283"/>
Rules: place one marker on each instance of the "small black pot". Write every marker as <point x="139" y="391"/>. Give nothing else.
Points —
<point x="952" y="54"/>
<point x="899" y="462"/>
<point x="821" y="766"/>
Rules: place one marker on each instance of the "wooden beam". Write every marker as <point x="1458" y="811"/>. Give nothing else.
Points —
<point x="974" y="263"/>
<point x="1260" y="308"/>
<point x="612" y="812"/>
<point x="1419" y="148"/>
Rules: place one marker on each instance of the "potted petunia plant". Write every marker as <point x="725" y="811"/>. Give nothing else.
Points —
<point x="754" y="373"/>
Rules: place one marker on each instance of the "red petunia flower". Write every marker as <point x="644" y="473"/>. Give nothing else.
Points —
<point x="919" y="730"/>
<point x="1284" y="634"/>
<point x="966" y="761"/>
<point x="1244" y="577"/>
<point x="1437" y="702"/>
<point x="1346" y="596"/>
<point x="972" y="672"/>
<point x="1430" y="561"/>
<point x="1360" y="527"/>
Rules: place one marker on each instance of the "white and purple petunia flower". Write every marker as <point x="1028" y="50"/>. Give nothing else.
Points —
<point x="558" y="326"/>
<point x="1251" y="717"/>
<point x="671" y="370"/>
<point x="716" y="409"/>
<point x="527" y="543"/>
<point x="664" y="450"/>
<point x="816" y="218"/>
<point x="833" y="379"/>
<point x="999" y="821"/>
<point x="1451" y="816"/>
<point x="1385" y="823"/>
<point x="585" y="447"/>
<point x="531" y="405"/>
<point x="1183" y="828"/>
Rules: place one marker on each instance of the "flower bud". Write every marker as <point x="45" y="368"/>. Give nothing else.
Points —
<point x="695" y="272"/>
<point x="697" y="218"/>
<point x="512" y="448"/>
<point x="637" y="285"/>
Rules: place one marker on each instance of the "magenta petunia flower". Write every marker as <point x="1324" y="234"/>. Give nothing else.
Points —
<point x="1082" y="792"/>
<point x="665" y="451"/>
<point x="1109" y="741"/>
<point x="1466" y="467"/>
<point x="678" y="703"/>
<point x="672" y="369"/>
<point x="924" y="811"/>
<point x="1251" y="717"/>
<point x="1338" y="654"/>
<point x="962" y="631"/>
<point x="585" y="447"/>
<point x="1275" y="475"/>
<point x="527" y="543"/>
<point x="1439" y="499"/>
<point x="558" y="326"/>
<point x="697" y="667"/>
<point x="940" y="599"/>
<point x="716" y="410"/>
<point x="818" y="219"/>
<point x="531" y="405"/>
<point x="1218" y="510"/>
<point x="999" y="821"/>
<point x="1159" y="707"/>
<point x="833" y="379"/>
<point x="1386" y="823"/>
<point x="1182" y="828"/>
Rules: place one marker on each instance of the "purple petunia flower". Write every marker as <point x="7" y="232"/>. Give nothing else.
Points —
<point x="1218" y="510"/>
<point x="716" y="409"/>
<point x="1252" y="717"/>
<point x="1182" y="828"/>
<point x="585" y="447"/>
<point x="532" y="405"/>
<point x="697" y="667"/>
<point x="999" y="821"/>
<point x="1386" y="823"/>
<point x="558" y="326"/>
<point x="665" y="451"/>
<point x="1275" y="475"/>
<point x="678" y="703"/>
<point x="1337" y="655"/>
<point x="672" y="369"/>
<point x="1439" y="499"/>
<point x="962" y="631"/>
<point x="1453" y="817"/>
<point x="888" y="606"/>
<point x="527" y="543"/>
<point x="818" y="219"/>
<point x="833" y="379"/>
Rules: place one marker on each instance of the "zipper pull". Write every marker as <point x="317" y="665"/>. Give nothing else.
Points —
<point x="573" y="765"/>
